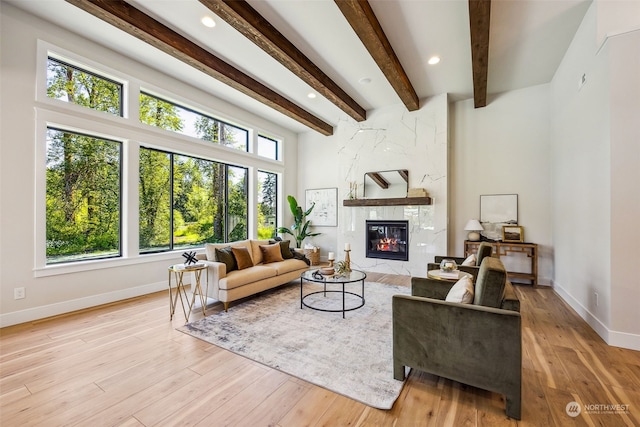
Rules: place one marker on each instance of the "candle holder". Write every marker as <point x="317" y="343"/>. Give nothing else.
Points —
<point x="347" y="260"/>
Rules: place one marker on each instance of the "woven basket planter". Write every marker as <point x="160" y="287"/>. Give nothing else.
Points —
<point x="313" y="255"/>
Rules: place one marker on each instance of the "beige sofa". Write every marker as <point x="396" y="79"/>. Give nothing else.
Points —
<point x="237" y="284"/>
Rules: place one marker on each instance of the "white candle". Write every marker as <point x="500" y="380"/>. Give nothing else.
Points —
<point x="331" y="255"/>
<point x="347" y="246"/>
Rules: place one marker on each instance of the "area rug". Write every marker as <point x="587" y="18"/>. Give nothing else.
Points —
<point x="350" y="356"/>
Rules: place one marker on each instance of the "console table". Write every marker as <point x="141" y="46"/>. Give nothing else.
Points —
<point x="501" y="249"/>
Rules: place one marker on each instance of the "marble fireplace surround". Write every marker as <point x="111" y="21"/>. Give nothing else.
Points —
<point x="393" y="138"/>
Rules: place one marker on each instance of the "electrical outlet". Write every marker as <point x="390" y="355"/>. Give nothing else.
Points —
<point x="18" y="293"/>
<point x="596" y="295"/>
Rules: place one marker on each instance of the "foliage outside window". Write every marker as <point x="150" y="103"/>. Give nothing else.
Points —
<point x="267" y="204"/>
<point x="267" y="147"/>
<point x="186" y="202"/>
<point x="158" y="112"/>
<point x="77" y="86"/>
<point x="83" y="197"/>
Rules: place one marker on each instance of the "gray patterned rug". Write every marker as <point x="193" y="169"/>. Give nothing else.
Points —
<point x="351" y="356"/>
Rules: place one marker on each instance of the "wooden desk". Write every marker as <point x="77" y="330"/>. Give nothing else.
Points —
<point x="501" y="249"/>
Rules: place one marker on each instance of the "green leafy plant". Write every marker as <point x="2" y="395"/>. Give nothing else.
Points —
<point x="299" y="229"/>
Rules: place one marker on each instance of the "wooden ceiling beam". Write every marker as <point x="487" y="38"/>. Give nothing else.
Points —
<point x="133" y="21"/>
<point x="364" y="22"/>
<point x="246" y="20"/>
<point x="479" y="22"/>
<point x="378" y="179"/>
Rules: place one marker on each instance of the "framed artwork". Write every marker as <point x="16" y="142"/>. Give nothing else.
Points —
<point x="512" y="233"/>
<point x="497" y="210"/>
<point x="325" y="212"/>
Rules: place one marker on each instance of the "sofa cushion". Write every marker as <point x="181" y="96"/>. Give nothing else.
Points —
<point x="248" y="275"/>
<point x="461" y="292"/>
<point x="225" y="255"/>
<point x="242" y="256"/>
<point x="490" y="284"/>
<point x="288" y="265"/>
<point x="256" y="253"/>
<point x="271" y="253"/>
<point x="470" y="260"/>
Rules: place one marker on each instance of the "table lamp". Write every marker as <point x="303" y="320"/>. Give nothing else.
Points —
<point x="473" y="227"/>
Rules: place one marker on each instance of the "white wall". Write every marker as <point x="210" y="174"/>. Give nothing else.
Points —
<point x="390" y="138"/>
<point x="503" y="148"/>
<point x="624" y="54"/>
<point x="595" y="154"/>
<point x="49" y="290"/>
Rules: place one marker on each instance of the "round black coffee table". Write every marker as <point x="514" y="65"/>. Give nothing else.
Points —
<point x="342" y="279"/>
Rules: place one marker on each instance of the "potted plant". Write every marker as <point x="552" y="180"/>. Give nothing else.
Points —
<point x="301" y="224"/>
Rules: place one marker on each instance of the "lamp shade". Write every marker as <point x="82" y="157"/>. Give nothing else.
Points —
<point x="473" y="225"/>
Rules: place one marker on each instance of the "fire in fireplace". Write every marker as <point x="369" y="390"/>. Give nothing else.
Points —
<point x="387" y="240"/>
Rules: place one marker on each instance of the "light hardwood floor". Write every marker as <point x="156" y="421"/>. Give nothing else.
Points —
<point x="124" y="364"/>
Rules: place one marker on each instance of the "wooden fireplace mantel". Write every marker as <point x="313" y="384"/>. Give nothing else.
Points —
<point x="398" y="201"/>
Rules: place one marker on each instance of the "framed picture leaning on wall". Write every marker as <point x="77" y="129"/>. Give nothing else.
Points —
<point x="325" y="212"/>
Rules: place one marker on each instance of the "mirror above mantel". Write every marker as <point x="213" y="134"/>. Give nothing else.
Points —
<point x="387" y="188"/>
<point x="386" y="184"/>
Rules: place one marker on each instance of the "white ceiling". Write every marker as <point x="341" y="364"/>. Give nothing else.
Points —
<point x="528" y="39"/>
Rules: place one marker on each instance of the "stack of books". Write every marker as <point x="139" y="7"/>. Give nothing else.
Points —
<point x="452" y="274"/>
<point x="417" y="192"/>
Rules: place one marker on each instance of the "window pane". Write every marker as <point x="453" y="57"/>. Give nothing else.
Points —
<point x="77" y="86"/>
<point x="198" y="202"/>
<point x="267" y="205"/>
<point x="238" y="203"/>
<point x="166" y="115"/>
<point x="82" y="197"/>
<point x="267" y="147"/>
<point x="155" y="201"/>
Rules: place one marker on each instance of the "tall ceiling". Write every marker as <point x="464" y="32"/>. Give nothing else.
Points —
<point x="527" y="40"/>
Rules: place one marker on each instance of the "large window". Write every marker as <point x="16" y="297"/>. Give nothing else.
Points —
<point x="267" y="204"/>
<point x="186" y="201"/>
<point x="158" y="112"/>
<point x="77" y="86"/>
<point x="83" y="197"/>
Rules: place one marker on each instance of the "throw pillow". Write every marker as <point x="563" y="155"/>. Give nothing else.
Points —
<point x="470" y="260"/>
<point x="225" y="255"/>
<point x="285" y="247"/>
<point x="461" y="292"/>
<point x="271" y="253"/>
<point x="242" y="256"/>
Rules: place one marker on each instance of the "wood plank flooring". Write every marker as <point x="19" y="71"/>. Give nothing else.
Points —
<point x="124" y="364"/>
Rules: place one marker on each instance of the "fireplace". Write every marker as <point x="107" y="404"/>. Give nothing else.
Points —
<point x="387" y="240"/>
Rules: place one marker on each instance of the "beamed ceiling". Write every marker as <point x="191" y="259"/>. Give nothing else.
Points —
<point x="267" y="56"/>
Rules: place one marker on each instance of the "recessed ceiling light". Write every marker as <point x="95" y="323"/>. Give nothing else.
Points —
<point x="311" y="95"/>
<point x="365" y="80"/>
<point x="434" y="60"/>
<point x="208" y="21"/>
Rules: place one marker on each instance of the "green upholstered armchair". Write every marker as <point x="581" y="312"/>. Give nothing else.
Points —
<point x="484" y="250"/>
<point x="479" y="344"/>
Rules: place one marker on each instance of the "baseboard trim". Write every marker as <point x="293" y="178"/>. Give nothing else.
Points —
<point x="613" y="338"/>
<point x="63" y="307"/>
